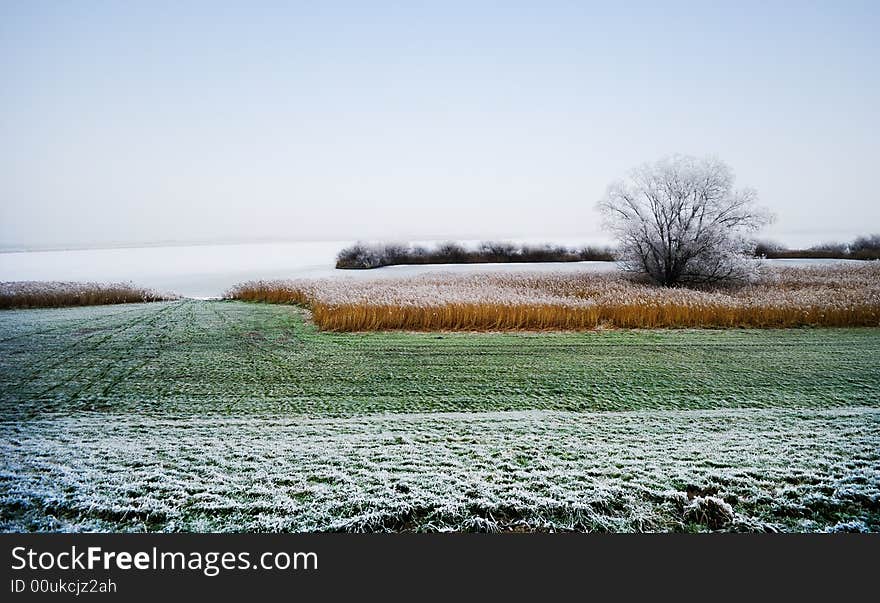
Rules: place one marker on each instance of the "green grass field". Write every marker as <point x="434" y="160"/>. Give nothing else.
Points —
<point x="197" y="415"/>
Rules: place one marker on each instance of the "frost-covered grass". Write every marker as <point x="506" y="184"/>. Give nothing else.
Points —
<point x="217" y="358"/>
<point x="637" y="471"/>
<point x="830" y="295"/>
<point x="195" y="415"/>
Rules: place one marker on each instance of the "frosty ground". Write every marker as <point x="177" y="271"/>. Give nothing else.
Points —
<point x="196" y="415"/>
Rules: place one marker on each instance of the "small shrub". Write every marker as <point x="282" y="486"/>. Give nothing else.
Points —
<point x="866" y="248"/>
<point x="710" y="511"/>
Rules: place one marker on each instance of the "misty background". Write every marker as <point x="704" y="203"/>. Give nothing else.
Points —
<point x="133" y="123"/>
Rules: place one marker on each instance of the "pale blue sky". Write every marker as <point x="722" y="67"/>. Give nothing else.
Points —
<point x="125" y="121"/>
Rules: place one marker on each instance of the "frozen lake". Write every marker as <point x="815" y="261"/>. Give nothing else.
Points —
<point x="194" y="271"/>
<point x="209" y="270"/>
<point x="206" y="270"/>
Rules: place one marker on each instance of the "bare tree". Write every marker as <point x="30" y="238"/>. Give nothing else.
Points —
<point x="680" y="221"/>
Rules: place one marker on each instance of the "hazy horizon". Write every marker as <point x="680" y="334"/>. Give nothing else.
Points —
<point x="139" y="123"/>
<point x="794" y="240"/>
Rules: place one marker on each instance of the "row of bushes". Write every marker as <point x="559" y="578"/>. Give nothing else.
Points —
<point x="862" y="248"/>
<point x="363" y="255"/>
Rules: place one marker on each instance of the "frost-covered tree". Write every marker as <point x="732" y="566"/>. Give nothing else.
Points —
<point x="680" y="221"/>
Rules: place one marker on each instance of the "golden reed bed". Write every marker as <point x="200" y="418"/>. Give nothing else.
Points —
<point x="831" y="295"/>
<point x="55" y="294"/>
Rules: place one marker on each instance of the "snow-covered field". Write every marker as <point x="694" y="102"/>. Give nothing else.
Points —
<point x="203" y="271"/>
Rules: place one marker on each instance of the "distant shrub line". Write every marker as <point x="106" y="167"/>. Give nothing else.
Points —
<point x="54" y="294"/>
<point x="365" y="256"/>
<point x="862" y="248"/>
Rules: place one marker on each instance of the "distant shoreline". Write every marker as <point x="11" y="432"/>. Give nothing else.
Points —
<point x="112" y="246"/>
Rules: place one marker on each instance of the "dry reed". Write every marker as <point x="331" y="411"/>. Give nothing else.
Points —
<point x="54" y="294"/>
<point x="836" y="295"/>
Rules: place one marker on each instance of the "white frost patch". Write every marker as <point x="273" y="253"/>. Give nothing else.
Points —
<point x="638" y="471"/>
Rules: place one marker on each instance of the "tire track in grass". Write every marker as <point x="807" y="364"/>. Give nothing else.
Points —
<point x="203" y="327"/>
<point x="65" y="324"/>
<point x="340" y="362"/>
<point x="281" y="362"/>
<point x="169" y="370"/>
<point x="192" y="320"/>
<point x="244" y="361"/>
<point x="118" y="361"/>
<point x="78" y="322"/>
<point x="144" y="320"/>
<point x="98" y="328"/>
<point x="163" y="336"/>
<point x="78" y="348"/>
<point x="194" y="324"/>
